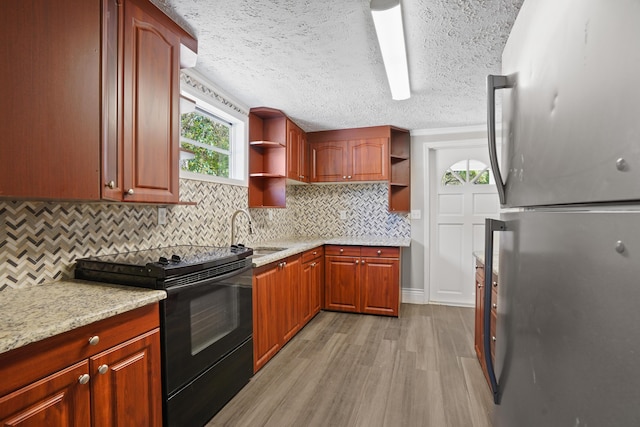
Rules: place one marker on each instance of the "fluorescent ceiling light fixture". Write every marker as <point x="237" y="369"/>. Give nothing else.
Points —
<point x="387" y="18"/>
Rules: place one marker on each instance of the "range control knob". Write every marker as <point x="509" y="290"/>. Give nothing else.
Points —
<point x="163" y="261"/>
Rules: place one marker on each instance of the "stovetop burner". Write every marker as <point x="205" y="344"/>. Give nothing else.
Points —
<point x="164" y="262"/>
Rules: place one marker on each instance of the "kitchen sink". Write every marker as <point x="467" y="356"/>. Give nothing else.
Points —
<point x="258" y="252"/>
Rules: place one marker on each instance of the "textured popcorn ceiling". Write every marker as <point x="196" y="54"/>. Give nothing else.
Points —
<point x="319" y="61"/>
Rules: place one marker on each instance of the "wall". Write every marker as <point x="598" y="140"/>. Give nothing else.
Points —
<point x="39" y="241"/>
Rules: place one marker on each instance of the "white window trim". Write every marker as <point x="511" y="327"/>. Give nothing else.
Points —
<point x="239" y="157"/>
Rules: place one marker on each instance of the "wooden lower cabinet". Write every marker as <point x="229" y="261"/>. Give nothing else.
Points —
<point x="312" y="284"/>
<point x="286" y="296"/>
<point x="276" y="307"/>
<point x="66" y="381"/>
<point x="479" y="315"/>
<point x="362" y="279"/>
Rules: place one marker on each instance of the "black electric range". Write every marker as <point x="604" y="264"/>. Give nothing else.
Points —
<point x="155" y="268"/>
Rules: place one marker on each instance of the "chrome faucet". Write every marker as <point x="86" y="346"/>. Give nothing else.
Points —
<point x="233" y="224"/>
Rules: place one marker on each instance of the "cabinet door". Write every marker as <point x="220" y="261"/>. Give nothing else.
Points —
<point x="304" y="156"/>
<point x="342" y="287"/>
<point x="126" y="383"/>
<point x="317" y="286"/>
<point x="328" y="161"/>
<point x="380" y="286"/>
<point x="369" y="160"/>
<point x="290" y="301"/>
<point x="150" y="106"/>
<point x="306" y="290"/>
<point x="293" y="151"/>
<point x="57" y="400"/>
<point x="50" y="102"/>
<point x="266" y="329"/>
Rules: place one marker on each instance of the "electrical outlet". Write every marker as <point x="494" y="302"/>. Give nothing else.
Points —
<point x="343" y="214"/>
<point x="416" y="214"/>
<point x="162" y="215"/>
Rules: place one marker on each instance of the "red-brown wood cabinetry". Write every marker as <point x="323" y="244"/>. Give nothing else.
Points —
<point x="97" y="114"/>
<point x="379" y="153"/>
<point x="297" y="153"/>
<point x="479" y="315"/>
<point x="276" y="307"/>
<point x="65" y="381"/>
<point x="362" y="279"/>
<point x="312" y="284"/>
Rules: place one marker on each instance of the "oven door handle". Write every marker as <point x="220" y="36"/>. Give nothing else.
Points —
<point x="179" y="288"/>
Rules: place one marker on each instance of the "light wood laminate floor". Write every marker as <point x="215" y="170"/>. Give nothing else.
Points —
<point x="359" y="370"/>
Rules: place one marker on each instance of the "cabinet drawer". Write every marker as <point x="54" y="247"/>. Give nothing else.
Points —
<point x="27" y="364"/>
<point x="342" y="250"/>
<point x="380" y="252"/>
<point x="313" y="254"/>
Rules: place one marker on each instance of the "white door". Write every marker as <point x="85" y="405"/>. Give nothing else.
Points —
<point x="463" y="195"/>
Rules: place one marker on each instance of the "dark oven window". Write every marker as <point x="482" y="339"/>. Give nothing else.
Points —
<point x="213" y="316"/>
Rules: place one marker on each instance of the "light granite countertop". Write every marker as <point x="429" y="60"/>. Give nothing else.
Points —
<point x="38" y="312"/>
<point x="298" y="245"/>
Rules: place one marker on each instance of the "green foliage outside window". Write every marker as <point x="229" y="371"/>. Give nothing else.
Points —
<point x="450" y="178"/>
<point x="205" y="132"/>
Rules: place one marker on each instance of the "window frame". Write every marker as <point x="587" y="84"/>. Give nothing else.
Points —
<point x="239" y="135"/>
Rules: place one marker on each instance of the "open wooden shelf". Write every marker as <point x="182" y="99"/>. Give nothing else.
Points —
<point x="267" y="144"/>
<point x="266" y="175"/>
<point x="400" y="159"/>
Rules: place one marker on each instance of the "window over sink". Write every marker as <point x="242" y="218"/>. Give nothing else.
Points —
<point x="213" y="134"/>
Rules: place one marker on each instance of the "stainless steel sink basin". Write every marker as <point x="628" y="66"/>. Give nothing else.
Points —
<point x="258" y="252"/>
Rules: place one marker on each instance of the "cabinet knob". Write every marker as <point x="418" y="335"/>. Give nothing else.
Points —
<point x="111" y="184"/>
<point x="280" y="265"/>
<point x="349" y="177"/>
<point x="84" y="378"/>
<point x="495" y="284"/>
<point x="357" y="261"/>
<point x="301" y="176"/>
<point x="129" y="192"/>
<point x="315" y="253"/>
<point x="284" y="264"/>
<point x="379" y="252"/>
<point x="494" y="305"/>
<point x="493" y="339"/>
<point x="94" y="340"/>
<point x="102" y="369"/>
<point x="313" y="264"/>
<point x="344" y="176"/>
<point x="363" y="261"/>
<point x="479" y="266"/>
<point x="341" y="250"/>
<point x="479" y="286"/>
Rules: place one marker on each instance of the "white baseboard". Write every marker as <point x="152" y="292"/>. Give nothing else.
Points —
<point x="413" y="296"/>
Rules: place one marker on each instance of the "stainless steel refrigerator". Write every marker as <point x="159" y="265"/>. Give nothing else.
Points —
<point x="568" y="325"/>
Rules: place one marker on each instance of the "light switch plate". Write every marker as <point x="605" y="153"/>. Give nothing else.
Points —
<point x="162" y="215"/>
<point x="416" y="214"/>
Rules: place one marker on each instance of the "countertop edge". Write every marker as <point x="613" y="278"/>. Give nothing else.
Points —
<point x="39" y="312"/>
<point x="299" y="245"/>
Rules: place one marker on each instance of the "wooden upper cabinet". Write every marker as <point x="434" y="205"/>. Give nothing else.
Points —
<point x="151" y="61"/>
<point x="50" y="104"/>
<point x="369" y="160"/>
<point x="297" y="168"/>
<point x="328" y="161"/>
<point x="97" y="114"/>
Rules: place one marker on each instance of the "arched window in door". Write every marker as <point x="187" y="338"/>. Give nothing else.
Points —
<point x="467" y="172"/>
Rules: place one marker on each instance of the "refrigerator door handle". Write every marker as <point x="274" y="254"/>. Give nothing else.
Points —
<point x="490" y="225"/>
<point x="493" y="83"/>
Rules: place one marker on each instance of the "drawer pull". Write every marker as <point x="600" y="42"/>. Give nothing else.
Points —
<point x="341" y="250"/>
<point x="315" y="253"/>
<point x="84" y="378"/>
<point x="94" y="340"/>
<point x="494" y="305"/>
<point x="379" y="252"/>
<point x="102" y="369"/>
<point x="479" y="266"/>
